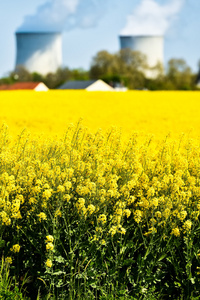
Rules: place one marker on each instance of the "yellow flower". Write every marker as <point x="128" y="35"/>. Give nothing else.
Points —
<point x="15" y="248"/>
<point x="102" y="219"/>
<point x="94" y="238"/>
<point x="80" y="203"/>
<point x="67" y="197"/>
<point x="68" y="185"/>
<point x="158" y="214"/>
<point x="5" y="219"/>
<point x="122" y="230"/>
<point x="32" y="201"/>
<point x="91" y="208"/>
<point x="42" y="216"/>
<point x="166" y="213"/>
<point x="150" y="192"/>
<point x="187" y="225"/>
<point x="49" y="263"/>
<point x="127" y="213"/>
<point x="119" y="211"/>
<point x="182" y="215"/>
<point x="58" y="213"/>
<point x="49" y="238"/>
<point x="176" y="231"/>
<point x="49" y="246"/>
<point x="46" y="185"/>
<point x="61" y="188"/>
<point x="137" y="216"/>
<point x="113" y="230"/>
<point x="131" y="200"/>
<point x="38" y="182"/>
<point x="154" y="202"/>
<point x="46" y="194"/>
<point x="151" y="230"/>
<point x="8" y="260"/>
<point x="98" y="229"/>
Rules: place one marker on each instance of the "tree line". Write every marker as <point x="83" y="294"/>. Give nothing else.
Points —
<point x="124" y="68"/>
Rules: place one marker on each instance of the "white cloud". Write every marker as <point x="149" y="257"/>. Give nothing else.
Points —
<point x="58" y="15"/>
<point x="151" y="18"/>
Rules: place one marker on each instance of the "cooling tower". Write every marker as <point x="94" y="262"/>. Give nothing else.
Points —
<point x="151" y="46"/>
<point x="39" y="52"/>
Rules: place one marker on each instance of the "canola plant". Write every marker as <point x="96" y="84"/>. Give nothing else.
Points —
<point x="157" y="113"/>
<point x="93" y="212"/>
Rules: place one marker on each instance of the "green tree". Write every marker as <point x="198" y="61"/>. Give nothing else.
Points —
<point x="79" y="74"/>
<point x="21" y="74"/>
<point x="36" y="77"/>
<point x="102" y="65"/>
<point x="54" y="80"/>
<point x="131" y="65"/>
<point x="126" y="67"/>
<point x="179" y="75"/>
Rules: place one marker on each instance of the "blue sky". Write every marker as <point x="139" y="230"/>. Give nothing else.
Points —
<point x="182" y="39"/>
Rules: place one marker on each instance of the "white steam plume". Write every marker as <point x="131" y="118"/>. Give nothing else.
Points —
<point x="151" y="18"/>
<point x="58" y="15"/>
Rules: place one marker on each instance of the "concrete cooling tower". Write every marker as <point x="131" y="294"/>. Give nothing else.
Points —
<point x="39" y="52"/>
<point x="151" y="46"/>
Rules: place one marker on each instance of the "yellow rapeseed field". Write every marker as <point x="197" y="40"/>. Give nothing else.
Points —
<point x="149" y="112"/>
<point x="121" y="203"/>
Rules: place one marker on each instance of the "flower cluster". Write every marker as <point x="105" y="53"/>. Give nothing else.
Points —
<point x="15" y="248"/>
<point x="49" y="243"/>
<point x="100" y="182"/>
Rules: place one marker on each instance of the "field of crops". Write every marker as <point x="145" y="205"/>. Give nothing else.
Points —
<point x="149" y="112"/>
<point x="106" y="207"/>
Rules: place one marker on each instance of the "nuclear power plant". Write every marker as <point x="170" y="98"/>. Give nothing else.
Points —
<point x="151" y="46"/>
<point x="39" y="52"/>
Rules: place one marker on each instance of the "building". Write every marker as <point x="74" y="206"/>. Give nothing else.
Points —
<point x="151" y="46"/>
<point x="39" y="52"/>
<point x="88" y="85"/>
<point x="35" y="86"/>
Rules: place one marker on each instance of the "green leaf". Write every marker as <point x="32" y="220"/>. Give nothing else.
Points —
<point x="58" y="273"/>
<point x="192" y="280"/>
<point x="59" y="259"/>
<point x="93" y="285"/>
<point x="2" y="243"/>
<point x="162" y="256"/>
<point x="128" y="262"/>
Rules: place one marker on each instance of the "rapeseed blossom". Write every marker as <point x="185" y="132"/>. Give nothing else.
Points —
<point x="42" y="216"/>
<point x="49" y="263"/>
<point x="138" y="215"/>
<point x="187" y="225"/>
<point x="102" y="219"/>
<point x="61" y="188"/>
<point x="8" y="260"/>
<point x="49" y="246"/>
<point x="15" y="248"/>
<point x="91" y="209"/>
<point x="176" y="231"/>
<point x="49" y="238"/>
<point x="47" y="194"/>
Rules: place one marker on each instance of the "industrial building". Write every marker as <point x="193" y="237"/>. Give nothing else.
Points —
<point x="39" y="52"/>
<point x="151" y="46"/>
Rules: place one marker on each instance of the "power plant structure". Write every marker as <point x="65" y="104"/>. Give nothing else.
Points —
<point x="39" y="52"/>
<point x="151" y="46"/>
